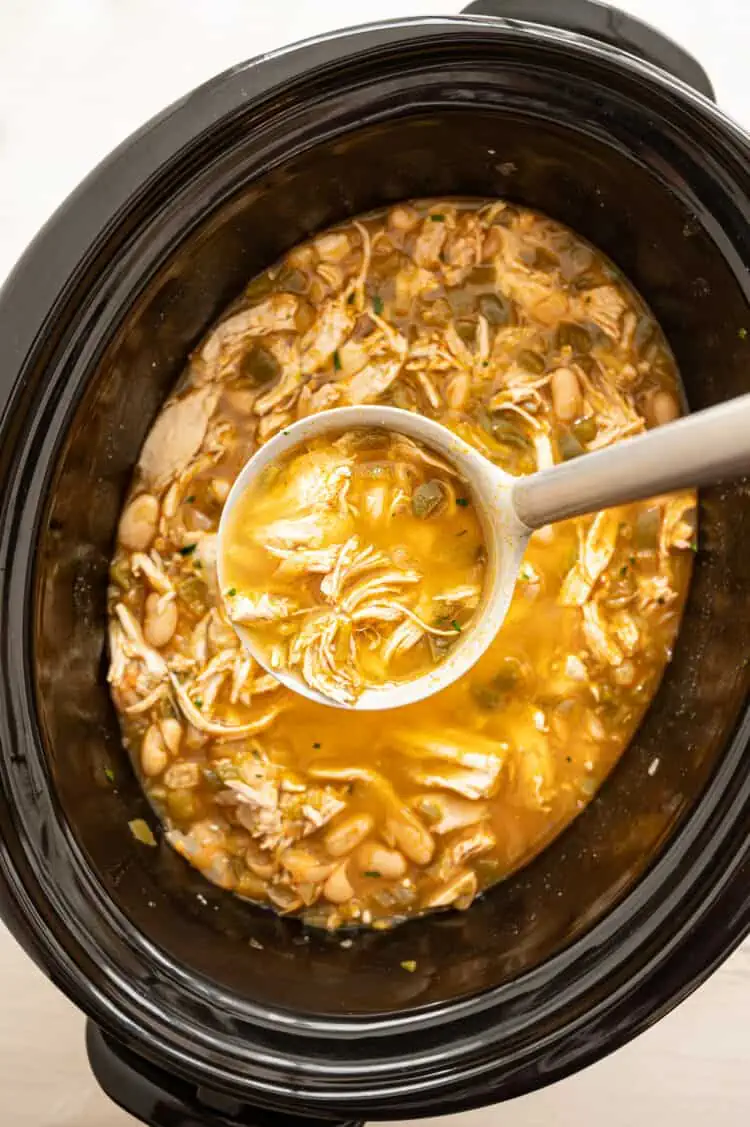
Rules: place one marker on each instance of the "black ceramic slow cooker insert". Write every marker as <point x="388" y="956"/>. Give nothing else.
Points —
<point x="204" y="1010"/>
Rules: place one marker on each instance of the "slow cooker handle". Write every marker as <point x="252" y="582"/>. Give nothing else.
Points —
<point x="160" y="1099"/>
<point x="607" y="24"/>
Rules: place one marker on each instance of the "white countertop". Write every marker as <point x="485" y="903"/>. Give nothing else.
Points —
<point x="76" y="76"/>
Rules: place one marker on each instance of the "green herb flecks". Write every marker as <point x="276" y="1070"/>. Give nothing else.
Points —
<point x="337" y="361"/>
<point x="188" y="549"/>
<point x="377" y="305"/>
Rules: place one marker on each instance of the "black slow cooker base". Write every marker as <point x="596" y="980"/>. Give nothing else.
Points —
<point x="560" y="963"/>
<point x="161" y="1099"/>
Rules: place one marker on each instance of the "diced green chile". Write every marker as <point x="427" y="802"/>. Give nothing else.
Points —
<point x="259" y="288"/>
<point x="367" y="438"/>
<point x="120" y="573"/>
<point x="596" y="335"/>
<point x="506" y="431"/>
<point x="589" y="280"/>
<point x="569" y="446"/>
<point x="531" y="362"/>
<point x="496" y="309"/>
<point x="181" y="805"/>
<point x="260" y="366"/>
<point x="493" y="693"/>
<point x="293" y="281"/>
<point x="507" y="217"/>
<point x="193" y="591"/>
<point x="439" y="646"/>
<point x="540" y="258"/>
<point x="585" y="429"/>
<point x="483" y="275"/>
<point x="573" y="336"/>
<point x="647" y="525"/>
<point x="644" y="334"/>
<point x="427" y="499"/>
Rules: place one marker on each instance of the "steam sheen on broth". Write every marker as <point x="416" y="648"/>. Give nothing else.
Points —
<point x="516" y="334"/>
<point x="357" y="561"/>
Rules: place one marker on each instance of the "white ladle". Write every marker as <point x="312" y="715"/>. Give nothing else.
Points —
<point x="701" y="449"/>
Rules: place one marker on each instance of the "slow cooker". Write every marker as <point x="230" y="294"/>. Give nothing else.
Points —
<point x="204" y="1010"/>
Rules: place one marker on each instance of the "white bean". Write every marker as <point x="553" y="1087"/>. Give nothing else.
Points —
<point x="567" y="400"/>
<point x="171" y="733"/>
<point x="139" y="523"/>
<point x="220" y="488"/>
<point x="219" y="870"/>
<point x="160" y="621"/>
<point x="183" y="776"/>
<point x="333" y="247"/>
<point x="305" y="867"/>
<point x="194" y="738"/>
<point x="625" y="674"/>
<point x="411" y="837"/>
<point x="457" y="392"/>
<point x="403" y="218"/>
<point x="252" y="887"/>
<point x="261" y="864"/>
<point x="338" y="888"/>
<point x="301" y="258"/>
<point x="347" y="834"/>
<point x="154" y="756"/>
<point x="663" y="408"/>
<point x="387" y="863"/>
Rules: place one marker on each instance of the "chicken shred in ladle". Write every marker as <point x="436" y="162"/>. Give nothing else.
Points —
<point x="702" y="449"/>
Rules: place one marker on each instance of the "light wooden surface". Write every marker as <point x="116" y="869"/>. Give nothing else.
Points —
<point x="691" y="1070"/>
<point x="76" y="76"/>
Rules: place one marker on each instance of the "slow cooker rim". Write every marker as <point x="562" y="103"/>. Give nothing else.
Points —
<point x="342" y="38"/>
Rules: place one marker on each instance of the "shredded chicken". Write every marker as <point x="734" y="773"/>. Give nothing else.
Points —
<point x="596" y="554"/>
<point x="176" y="437"/>
<point x="368" y="609"/>
<point x="226" y="344"/>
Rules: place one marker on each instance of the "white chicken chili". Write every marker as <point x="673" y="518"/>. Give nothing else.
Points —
<point x="522" y="339"/>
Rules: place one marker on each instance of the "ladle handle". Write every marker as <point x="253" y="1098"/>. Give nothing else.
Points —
<point x="701" y="449"/>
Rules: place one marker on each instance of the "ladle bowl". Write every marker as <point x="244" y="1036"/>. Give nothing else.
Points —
<point x="700" y="449"/>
